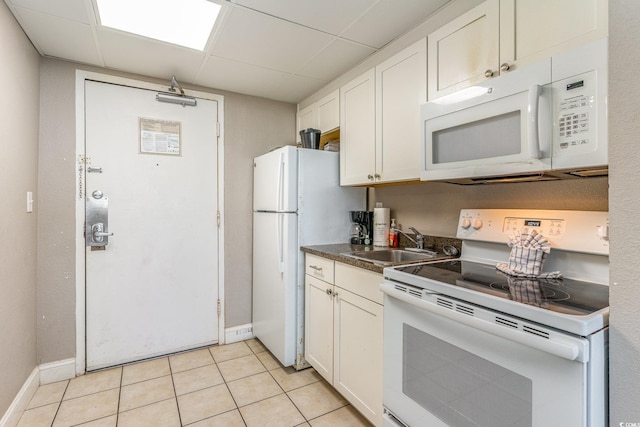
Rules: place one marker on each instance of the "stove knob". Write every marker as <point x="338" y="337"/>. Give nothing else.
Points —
<point x="477" y="224"/>
<point x="466" y="223"/>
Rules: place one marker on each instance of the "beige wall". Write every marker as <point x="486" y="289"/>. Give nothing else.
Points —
<point x="433" y="208"/>
<point x="18" y="174"/>
<point x="252" y="127"/>
<point x="624" y="178"/>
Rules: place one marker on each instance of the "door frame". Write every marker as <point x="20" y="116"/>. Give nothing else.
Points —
<point x="80" y="180"/>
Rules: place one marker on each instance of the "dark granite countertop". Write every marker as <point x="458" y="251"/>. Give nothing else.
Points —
<point x="334" y="252"/>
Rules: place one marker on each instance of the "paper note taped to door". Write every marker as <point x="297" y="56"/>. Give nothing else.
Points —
<point x="159" y="137"/>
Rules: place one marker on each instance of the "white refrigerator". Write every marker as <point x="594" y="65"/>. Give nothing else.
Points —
<point x="297" y="201"/>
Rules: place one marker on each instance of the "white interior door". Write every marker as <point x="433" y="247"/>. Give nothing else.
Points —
<point x="153" y="289"/>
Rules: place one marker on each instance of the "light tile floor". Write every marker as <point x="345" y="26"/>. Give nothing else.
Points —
<point x="239" y="384"/>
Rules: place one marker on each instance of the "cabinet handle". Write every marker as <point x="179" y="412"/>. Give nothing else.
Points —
<point x="488" y="73"/>
<point x="316" y="268"/>
<point x="335" y="294"/>
<point x="370" y="177"/>
<point x="376" y="176"/>
<point x="505" y="67"/>
<point x="329" y="292"/>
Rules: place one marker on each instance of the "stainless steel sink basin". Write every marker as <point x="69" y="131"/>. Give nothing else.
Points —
<point x="391" y="256"/>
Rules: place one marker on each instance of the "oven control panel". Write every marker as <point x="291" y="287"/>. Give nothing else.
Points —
<point x="579" y="231"/>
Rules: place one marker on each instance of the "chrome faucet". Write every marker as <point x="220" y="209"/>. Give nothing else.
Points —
<point x="418" y="241"/>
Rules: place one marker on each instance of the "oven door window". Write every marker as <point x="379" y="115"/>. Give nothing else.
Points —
<point x="458" y="387"/>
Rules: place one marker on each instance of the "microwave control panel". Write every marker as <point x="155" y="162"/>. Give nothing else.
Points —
<point x="575" y="126"/>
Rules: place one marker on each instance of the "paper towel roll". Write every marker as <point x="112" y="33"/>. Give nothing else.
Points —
<point x="381" y="227"/>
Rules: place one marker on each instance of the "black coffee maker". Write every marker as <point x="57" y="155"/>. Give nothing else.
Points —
<point x="361" y="227"/>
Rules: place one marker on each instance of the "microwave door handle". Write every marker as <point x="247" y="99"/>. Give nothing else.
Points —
<point x="532" y="121"/>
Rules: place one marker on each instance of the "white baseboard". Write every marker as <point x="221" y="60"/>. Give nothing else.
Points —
<point x="238" y="333"/>
<point x="22" y="399"/>
<point x="57" y="371"/>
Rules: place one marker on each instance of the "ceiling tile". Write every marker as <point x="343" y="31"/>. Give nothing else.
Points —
<point x="331" y="16"/>
<point x="75" y="10"/>
<point x="335" y="59"/>
<point x="296" y="88"/>
<point x="123" y="51"/>
<point x="389" y="19"/>
<point x="254" y="38"/>
<point x="60" y="38"/>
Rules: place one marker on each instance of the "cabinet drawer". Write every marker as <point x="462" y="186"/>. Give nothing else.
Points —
<point x="361" y="282"/>
<point x="321" y="268"/>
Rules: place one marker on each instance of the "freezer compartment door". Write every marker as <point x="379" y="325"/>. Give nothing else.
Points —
<point x="274" y="283"/>
<point x="275" y="181"/>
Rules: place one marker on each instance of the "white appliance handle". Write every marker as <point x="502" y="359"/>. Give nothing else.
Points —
<point x="532" y="121"/>
<point x="564" y="350"/>
<point x="280" y="244"/>
<point x="279" y="206"/>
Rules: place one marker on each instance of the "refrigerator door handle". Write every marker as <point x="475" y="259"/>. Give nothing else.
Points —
<point x="279" y="205"/>
<point x="280" y="244"/>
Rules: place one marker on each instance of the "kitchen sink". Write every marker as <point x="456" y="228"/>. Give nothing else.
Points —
<point x="388" y="257"/>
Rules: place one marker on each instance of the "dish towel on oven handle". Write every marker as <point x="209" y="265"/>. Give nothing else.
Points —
<point x="529" y="249"/>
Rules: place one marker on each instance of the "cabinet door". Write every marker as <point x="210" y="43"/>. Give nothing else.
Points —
<point x="307" y="118"/>
<point x="357" y="130"/>
<point x="401" y="87"/>
<point x="566" y="24"/>
<point x="464" y="51"/>
<point x="318" y="327"/>
<point x="358" y="353"/>
<point x="329" y="112"/>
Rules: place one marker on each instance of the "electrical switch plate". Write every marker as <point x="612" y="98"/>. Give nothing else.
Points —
<point x="29" y="202"/>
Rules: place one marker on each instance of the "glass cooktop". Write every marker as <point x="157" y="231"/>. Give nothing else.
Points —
<point x="565" y="296"/>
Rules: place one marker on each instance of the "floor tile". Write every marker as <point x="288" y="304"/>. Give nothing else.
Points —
<point x="160" y="414"/>
<point x="241" y="367"/>
<point x="343" y="417"/>
<point x="93" y="383"/>
<point x="316" y="399"/>
<point x="40" y="416"/>
<point x="190" y="360"/>
<point x="102" y="422"/>
<point x="277" y="411"/>
<point x="145" y="371"/>
<point x="48" y="393"/>
<point x="228" y="419"/>
<point x="230" y="351"/>
<point x="205" y="403"/>
<point x="197" y="379"/>
<point x="87" y="408"/>
<point x="268" y="360"/>
<point x="290" y="379"/>
<point x="254" y="388"/>
<point x="146" y="392"/>
<point x="255" y="345"/>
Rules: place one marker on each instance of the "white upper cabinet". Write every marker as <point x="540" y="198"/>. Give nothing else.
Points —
<point x="464" y="51"/>
<point x="499" y="36"/>
<point x="329" y="112"/>
<point x="323" y="114"/>
<point x="357" y="130"/>
<point x="380" y="120"/>
<point x="534" y="30"/>
<point x="401" y="87"/>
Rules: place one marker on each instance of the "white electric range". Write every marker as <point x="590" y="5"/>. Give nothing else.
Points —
<point x="467" y="345"/>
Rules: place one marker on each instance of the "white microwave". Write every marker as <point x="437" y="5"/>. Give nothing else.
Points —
<point x="544" y="121"/>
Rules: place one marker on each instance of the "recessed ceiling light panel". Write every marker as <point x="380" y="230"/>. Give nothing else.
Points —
<point x="182" y="22"/>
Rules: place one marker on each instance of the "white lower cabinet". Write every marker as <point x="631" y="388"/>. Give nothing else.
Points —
<point x="343" y="334"/>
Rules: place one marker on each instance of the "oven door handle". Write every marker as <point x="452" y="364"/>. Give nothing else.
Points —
<point x="565" y="350"/>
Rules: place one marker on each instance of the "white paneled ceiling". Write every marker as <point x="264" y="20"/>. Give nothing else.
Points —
<point x="278" y="49"/>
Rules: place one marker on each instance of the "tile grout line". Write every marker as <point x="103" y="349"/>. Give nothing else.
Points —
<point x="175" y="392"/>
<point x="119" y="395"/>
<point x="237" y="408"/>
<point x="59" y="403"/>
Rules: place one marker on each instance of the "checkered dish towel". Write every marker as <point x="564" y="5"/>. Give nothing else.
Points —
<point x="528" y="253"/>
